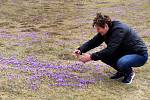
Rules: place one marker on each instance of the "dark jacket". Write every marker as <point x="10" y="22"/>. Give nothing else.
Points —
<point x="120" y="40"/>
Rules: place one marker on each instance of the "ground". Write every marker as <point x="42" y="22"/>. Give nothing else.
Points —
<point x="37" y="38"/>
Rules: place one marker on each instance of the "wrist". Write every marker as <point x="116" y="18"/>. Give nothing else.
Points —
<point x="92" y="56"/>
<point x="80" y="50"/>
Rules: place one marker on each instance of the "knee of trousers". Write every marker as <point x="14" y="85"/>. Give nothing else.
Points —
<point x="122" y="65"/>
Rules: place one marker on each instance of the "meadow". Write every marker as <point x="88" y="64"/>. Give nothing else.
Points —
<point x="38" y="37"/>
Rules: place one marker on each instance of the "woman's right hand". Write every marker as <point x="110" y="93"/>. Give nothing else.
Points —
<point x="77" y="53"/>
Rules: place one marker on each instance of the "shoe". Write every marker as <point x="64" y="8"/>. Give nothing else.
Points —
<point x="117" y="75"/>
<point x="128" y="78"/>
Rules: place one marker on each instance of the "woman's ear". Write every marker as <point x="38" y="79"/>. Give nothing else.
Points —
<point x="106" y="27"/>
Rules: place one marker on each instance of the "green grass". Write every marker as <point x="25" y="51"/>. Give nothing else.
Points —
<point x="68" y="24"/>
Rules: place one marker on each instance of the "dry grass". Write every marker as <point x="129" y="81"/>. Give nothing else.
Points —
<point x="58" y="27"/>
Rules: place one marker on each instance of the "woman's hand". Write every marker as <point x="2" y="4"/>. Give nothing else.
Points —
<point x="77" y="53"/>
<point x="85" y="58"/>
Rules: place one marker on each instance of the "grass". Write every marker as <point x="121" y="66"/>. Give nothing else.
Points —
<point x="50" y="30"/>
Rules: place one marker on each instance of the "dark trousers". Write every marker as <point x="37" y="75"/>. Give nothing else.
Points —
<point x="125" y="63"/>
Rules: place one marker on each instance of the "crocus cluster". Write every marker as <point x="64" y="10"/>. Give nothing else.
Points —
<point x="20" y="37"/>
<point x="38" y="72"/>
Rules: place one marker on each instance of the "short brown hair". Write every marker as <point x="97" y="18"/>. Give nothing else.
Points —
<point x="101" y="20"/>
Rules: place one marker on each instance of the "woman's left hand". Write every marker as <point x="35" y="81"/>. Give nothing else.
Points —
<point x="85" y="58"/>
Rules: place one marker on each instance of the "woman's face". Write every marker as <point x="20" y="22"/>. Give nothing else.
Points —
<point x="102" y="30"/>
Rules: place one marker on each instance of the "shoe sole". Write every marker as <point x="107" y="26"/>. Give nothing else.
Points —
<point x="131" y="79"/>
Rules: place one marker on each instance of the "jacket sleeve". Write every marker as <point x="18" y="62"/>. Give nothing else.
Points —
<point x="115" y="40"/>
<point x="92" y="43"/>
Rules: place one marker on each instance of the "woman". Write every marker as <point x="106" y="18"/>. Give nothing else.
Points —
<point x="125" y="48"/>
